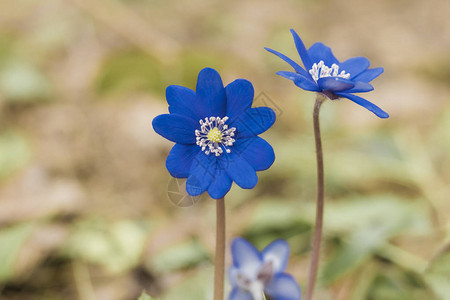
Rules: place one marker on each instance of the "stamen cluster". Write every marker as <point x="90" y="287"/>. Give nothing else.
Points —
<point x="320" y="70"/>
<point x="255" y="286"/>
<point x="214" y="135"/>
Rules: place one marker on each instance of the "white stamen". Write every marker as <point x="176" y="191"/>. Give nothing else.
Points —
<point x="214" y="136"/>
<point x="320" y="70"/>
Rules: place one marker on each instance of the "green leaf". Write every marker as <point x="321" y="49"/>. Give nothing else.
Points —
<point x="116" y="246"/>
<point x="438" y="275"/>
<point x="12" y="240"/>
<point x="132" y="70"/>
<point x="370" y="228"/>
<point x="21" y="81"/>
<point x="180" y="256"/>
<point x="145" y="296"/>
<point x="197" y="285"/>
<point x="14" y="153"/>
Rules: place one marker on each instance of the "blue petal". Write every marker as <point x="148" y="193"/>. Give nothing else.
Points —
<point x="354" y="66"/>
<point x="220" y="184"/>
<point x="256" y="151"/>
<point x="180" y="160"/>
<point x="211" y="100"/>
<point x="239" y="170"/>
<point x="245" y="257"/>
<point x="239" y="97"/>
<point x="283" y="287"/>
<point x="181" y="101"/>
<point x="289" y="75"/>
<point x="176" y="128"/>
<point x="302" y="50"/>
<point x="301" y="81"/>
<point x="278" y="253"/>
<point x="201" y="173"/>
<point x="292" y="63"/>
<point x="364" y="103"/>
<point x="253" y="122"/>
<point x="335" y="84"/>
<point x="232" y="275"/>
<point x="238" y="294"/>
<point x="319" y="52"/>
<point x="369" y="75"/>
<point x="360" y="87"/>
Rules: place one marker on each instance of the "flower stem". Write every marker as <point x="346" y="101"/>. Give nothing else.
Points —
<point x="317" y="238"/>
<point x="219" y="274"/>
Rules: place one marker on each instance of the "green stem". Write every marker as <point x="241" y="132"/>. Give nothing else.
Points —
<point x="219" y="266"/>
<point x="318" y="228"/>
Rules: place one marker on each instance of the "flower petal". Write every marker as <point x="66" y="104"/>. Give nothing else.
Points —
<point x="360" y="87"/>
<point x="292" y="63"/>
<point x="301" y="81"/>
<point x="211" y="100"/>
<point x="256" y="151"/>
<point x="181" y="101"/>
<point x="201" y="173"/>
<point x="180" y="160"/>
<point x="369" y="75"/>
<point x="245" y="257"/>
<point x="335" y="84"/>
<point x="307" y="85"/>
<point x="239" y="95"/>
<point x="319" y="51"/>
<point x="176" y="128"/>
<point x="232" y="275"/>
<point x="364" y="103"/>
<point x="289" y="75"/>
<point x="278" y="253"/>
<point x="302" y="50"/>
<point x="239" y="170"/>
<point x="253" y="122"/>
<point x="283" y="287"/>
<point x="238" y="294"/>
<point x="354" y="66"/>
<point x="220" y="184"/>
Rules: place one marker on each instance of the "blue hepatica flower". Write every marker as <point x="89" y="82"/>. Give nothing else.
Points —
<point x="254" y="273"/>
<point x="216" y="135"/>
<point x="326" y="75"/>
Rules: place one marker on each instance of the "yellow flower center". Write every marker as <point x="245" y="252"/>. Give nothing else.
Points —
<point x="215" y="135"/>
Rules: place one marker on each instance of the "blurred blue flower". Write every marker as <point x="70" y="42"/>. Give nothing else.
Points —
<point x="326" y="75"/>
<point x="253" y="272"/>
<point x="216" y="135"/>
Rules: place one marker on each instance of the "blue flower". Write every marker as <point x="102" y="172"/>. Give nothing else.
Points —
<point x="216" y="135"/>
<point x="253" y="272"/>
<point x="326" y="75"/>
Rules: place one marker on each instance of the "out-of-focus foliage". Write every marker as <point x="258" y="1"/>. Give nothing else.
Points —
<point x="14" y="152"/>
<point x="86" y="205"/>
<point x="11" y="241"/>
<point x="144" y="296"/>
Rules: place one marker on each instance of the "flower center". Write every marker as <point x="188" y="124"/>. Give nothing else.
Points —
<point x="214" y="135"/>
<point x="320" y="70"/>
<point x="256" y="286"/>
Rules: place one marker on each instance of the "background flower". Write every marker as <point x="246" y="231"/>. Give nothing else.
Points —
<point x="216" y="135"/>
<point x="254" y="272"/>
<point x="325" y="74"/>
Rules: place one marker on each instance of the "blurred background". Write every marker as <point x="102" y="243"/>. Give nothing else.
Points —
<point x="88" y="210"/>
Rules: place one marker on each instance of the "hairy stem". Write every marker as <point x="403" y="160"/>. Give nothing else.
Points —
<point x="219" y="274"/>
<point x="317" y="238"/>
